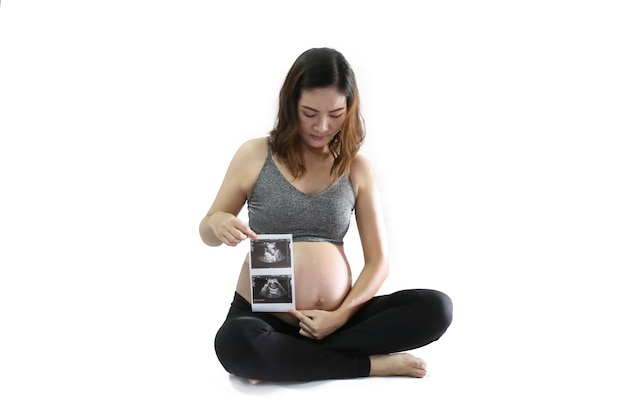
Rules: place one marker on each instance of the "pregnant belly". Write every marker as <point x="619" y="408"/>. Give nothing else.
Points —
<point x="322" y="277"/>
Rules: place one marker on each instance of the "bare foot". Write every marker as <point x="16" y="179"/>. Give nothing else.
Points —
<point x="398" y="364"/>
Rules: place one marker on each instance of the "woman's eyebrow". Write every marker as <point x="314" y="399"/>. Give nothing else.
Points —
<point x="315" y="110"/>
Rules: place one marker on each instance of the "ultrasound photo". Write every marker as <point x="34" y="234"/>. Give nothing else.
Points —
<point x="270" y="253"/>
<point x="271" y="289"/>
<point x="271" y="273"/>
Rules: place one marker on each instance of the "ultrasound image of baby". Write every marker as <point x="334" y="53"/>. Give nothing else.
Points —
<point x="271" y="253"/>
<point x="273" y="289"/>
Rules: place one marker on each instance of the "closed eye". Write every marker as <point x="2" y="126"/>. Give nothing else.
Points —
<point x="313" y="116"/>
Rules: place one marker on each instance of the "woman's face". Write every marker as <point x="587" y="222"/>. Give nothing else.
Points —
<point x="321" y="113"/>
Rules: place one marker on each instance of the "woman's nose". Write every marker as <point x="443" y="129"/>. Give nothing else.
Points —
<point x="322" y="124"/>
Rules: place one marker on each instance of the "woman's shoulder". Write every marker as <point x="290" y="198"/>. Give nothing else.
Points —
<point x="361" y="172"/>
<point x="360" y="165"/>
<point x="250" y="152"/>
<point x="254" y="147"/>
<point x="248" y="162"/>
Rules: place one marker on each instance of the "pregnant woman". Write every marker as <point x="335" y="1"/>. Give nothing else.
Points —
<point x="307" y="178"/>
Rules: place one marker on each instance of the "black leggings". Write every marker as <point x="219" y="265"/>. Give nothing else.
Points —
<point x="258" y="345"/>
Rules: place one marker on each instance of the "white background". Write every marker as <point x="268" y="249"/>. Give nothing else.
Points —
<point x="496" y="130"/>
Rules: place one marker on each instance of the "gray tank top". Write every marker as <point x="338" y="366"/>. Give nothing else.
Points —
<point x="276" y="206"/>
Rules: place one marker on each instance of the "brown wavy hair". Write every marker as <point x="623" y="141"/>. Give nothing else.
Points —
<point x="318" y="68"/>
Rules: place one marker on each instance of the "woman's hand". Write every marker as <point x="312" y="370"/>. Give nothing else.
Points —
<point x="317" y="324"/>
<point x="229" y="229"/>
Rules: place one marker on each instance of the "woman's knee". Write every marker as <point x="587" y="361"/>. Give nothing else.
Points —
<point x="439" y="309"/>
<point x="444" y="308"/>
<point x="235" y="342"/>
<point x="434" y="306"/>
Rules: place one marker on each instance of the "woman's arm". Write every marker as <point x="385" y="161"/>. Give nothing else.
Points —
<point x="221" y="224"/>
<point x="373" y="235"/>
<point x="369" y="216"/>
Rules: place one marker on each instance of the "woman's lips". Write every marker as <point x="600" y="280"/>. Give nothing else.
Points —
<point x="318" y="138"/>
